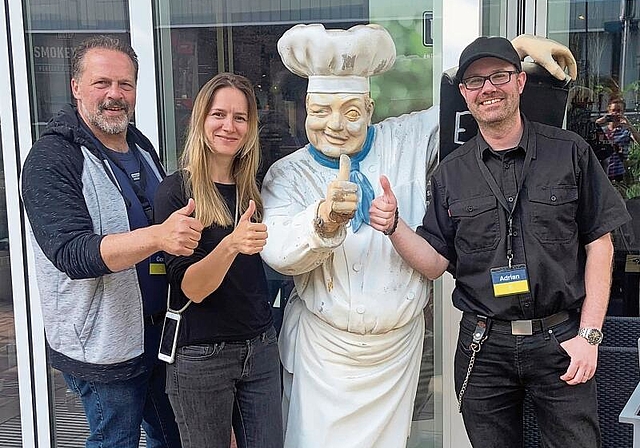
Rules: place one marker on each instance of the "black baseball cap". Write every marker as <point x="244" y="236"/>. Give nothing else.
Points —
<point x="488" y="47"/>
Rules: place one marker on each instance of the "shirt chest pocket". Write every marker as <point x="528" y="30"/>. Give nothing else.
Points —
<point x="477" y="223"/>
<point x="553" y="213"/>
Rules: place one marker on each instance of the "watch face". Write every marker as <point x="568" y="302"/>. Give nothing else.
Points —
<point x="594" y="336"/>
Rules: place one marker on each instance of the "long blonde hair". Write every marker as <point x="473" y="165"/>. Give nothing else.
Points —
<point x="211" y="207"/>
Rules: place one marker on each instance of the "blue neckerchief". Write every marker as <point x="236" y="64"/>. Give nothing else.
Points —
<point x="365" y="190"/>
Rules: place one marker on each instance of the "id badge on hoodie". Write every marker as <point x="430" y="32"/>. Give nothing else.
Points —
<point x="156" y="264"/>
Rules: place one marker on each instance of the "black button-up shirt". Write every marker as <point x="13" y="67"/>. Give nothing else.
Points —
<point x="564" y="203"/>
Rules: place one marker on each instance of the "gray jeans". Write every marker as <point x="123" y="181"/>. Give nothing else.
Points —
<point x="214" y="386"/>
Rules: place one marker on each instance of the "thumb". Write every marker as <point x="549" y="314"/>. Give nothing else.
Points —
<point x="571" y="66"/>
<point x="188" y="209"/>
<point x="387" y="192"/>
<point x="246" y="216"/>
<point x="345" y="167"/>
<point x="565" y="59"/>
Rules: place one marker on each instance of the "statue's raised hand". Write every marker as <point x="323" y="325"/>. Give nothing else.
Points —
<point x="553" y="56"/>
<point x="341" y="201"/>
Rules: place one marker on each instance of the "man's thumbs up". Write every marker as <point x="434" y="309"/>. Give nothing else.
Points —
<point x="180" y="231"/>
<point x="387" y="192"/>
<point x="382" y="213"/>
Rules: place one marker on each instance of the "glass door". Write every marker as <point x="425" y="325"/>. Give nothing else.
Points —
<point x="604" y="106"/>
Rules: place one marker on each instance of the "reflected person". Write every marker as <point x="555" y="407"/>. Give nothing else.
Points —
<point x="620" y="133"/>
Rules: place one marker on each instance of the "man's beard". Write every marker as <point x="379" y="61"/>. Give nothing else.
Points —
<point x="504" y="115"/>
<point x="110" y="125"/>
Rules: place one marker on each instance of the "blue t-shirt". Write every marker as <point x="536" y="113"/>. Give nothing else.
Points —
<point x="139" y="184"/>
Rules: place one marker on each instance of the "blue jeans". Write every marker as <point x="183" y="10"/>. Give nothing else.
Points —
<point x="115" y="411"/>
<point x="214" y="386"/>
<point x="506" y="366"/>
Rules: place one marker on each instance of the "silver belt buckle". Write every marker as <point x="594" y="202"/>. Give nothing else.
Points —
<point x="521" y="328"/>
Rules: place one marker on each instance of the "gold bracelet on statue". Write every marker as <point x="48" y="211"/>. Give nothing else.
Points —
<point x="318" y="224"/>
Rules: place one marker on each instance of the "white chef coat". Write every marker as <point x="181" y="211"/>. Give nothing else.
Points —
<point x="355" y="288"/>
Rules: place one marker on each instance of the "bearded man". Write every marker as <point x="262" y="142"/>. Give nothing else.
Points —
<point x="88" y="186"/>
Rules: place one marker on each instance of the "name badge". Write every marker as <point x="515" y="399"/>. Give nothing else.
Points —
<point x="156" y="265"/>
<point x="508" y="281"/>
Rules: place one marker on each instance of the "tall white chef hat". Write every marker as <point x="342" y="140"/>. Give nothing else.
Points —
<point x="337" y="61"/>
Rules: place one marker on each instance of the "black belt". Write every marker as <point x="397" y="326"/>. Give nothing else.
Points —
<point x="154" y="319"/>
<point x="524" y="327"/>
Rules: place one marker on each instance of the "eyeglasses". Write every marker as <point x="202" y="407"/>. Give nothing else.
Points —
<point x="497" y="79"/>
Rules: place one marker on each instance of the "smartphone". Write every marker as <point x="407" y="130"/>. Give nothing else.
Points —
<point x="169" y="338"/>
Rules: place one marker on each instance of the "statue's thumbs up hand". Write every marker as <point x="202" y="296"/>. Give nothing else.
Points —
<point x="341" y="202"/>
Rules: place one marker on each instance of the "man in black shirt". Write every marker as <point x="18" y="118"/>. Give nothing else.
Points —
<point x="521" y="215"/>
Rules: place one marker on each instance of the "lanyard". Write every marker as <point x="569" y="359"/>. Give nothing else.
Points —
<point x="497" y="192"/>
<point x="138" y="188"/>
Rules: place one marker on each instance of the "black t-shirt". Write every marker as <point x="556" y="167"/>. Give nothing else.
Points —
<point x="566" y="202"/>
<point x="238" y="310"/>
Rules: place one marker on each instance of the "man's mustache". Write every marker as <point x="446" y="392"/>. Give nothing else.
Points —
<point x="114" y="104"/>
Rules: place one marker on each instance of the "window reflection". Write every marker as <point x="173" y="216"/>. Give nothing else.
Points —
<point x="604" y="38"/>
<point x="494" y="17"/>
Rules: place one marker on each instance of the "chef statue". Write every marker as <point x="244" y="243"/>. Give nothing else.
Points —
<point x="352" y="335"/>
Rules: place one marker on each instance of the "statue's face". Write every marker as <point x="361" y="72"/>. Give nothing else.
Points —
<point x="337" y="122"/>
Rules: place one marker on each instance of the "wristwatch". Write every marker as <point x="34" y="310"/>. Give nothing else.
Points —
<point x="592" y="335"/>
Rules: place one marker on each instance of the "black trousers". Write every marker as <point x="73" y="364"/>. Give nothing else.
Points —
<point x="505" y="367"/>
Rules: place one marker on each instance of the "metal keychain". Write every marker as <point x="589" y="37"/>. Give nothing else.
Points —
<point x="480" y="334"/>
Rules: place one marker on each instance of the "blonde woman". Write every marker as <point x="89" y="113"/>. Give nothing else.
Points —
<point x="226" y="369"/>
